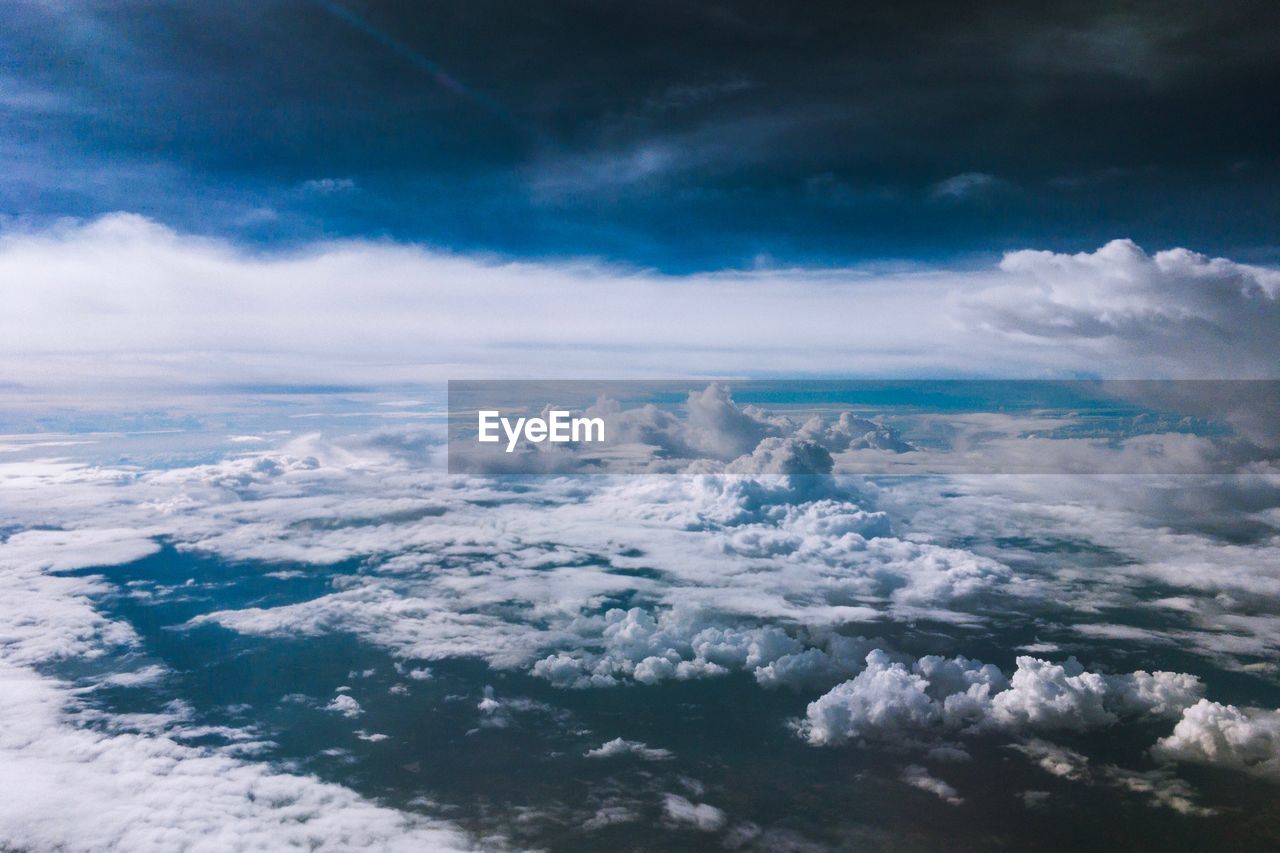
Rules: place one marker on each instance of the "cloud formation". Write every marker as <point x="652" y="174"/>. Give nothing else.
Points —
<point x="889" y="700"/>
<point x="834" y="595"/>
<point x="124" y="300"/>
<point x="1176" y="311"/>
<point x="1226" y="736"/>
<point x="136" y="785"/>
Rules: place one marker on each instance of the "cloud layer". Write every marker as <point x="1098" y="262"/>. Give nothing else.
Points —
<point x="124" y="299"/>
<point x="141" y="790"/>
<point x="921" y="620"/>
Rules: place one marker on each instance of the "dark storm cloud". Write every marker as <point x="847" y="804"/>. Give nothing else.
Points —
<point x="677" y="134"/>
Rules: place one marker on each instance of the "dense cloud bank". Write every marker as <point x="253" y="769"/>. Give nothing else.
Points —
<point x="124" y="300"/>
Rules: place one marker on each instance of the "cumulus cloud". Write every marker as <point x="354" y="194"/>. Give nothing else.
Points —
<point x="345" y="705"/>
<point x="749" y="438"/>
<point x="619" y="746"/>
<point x="762" y="563"/>
<point x="646" y="579"/>
<point x="1245" y="739"/>
<point x="1043" y="695"/>
<point x="889" y="700"/>
<point x="710" y="433"/>
<point x="1178" y="313"/>
<point x="726" y="548"/>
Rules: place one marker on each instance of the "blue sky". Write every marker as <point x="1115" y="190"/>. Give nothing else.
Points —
<point x="679" y="136"/>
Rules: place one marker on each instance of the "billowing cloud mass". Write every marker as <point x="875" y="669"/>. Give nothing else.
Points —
<point x="124" y="300"/>
<point x="1176" y="311"/>
<point x="1213" y="733"/>
<point x="888" y="699"/>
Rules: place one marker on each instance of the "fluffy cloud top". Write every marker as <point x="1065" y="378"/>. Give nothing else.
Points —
<point x="1212" y="733"/>
<point x="889" y="700"/>
<point x="619" y="746"/>
<point x="1188" y="314"/>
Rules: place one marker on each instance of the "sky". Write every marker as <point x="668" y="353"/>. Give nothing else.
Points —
<point x="244" y="244"/>
<point x="683" y="137"/>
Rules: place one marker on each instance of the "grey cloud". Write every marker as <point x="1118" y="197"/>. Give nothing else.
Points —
<point x="919" y="777"/>
<point x="964" y="185"/>
<point x="702" y="816"/>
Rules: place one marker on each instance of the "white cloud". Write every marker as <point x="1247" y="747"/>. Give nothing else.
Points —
<point x="1054" y="759"/>
<point x="719" y="573"/>
<point x="618" y="746"/>
<point x="1158" y="786"/>
<point x="47" y="617"/>
<point x="888" y="700"/>
<point x="1240" y="738"/>
<point x="124" y="300"/>
<point x="134" y="784"/>
<point x="1043" y="695"/>
<point x="1175" y="313"/>
<point x="345" y="705"/>
<point x="150" y="793"/>
<point x="608" y="815"/>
